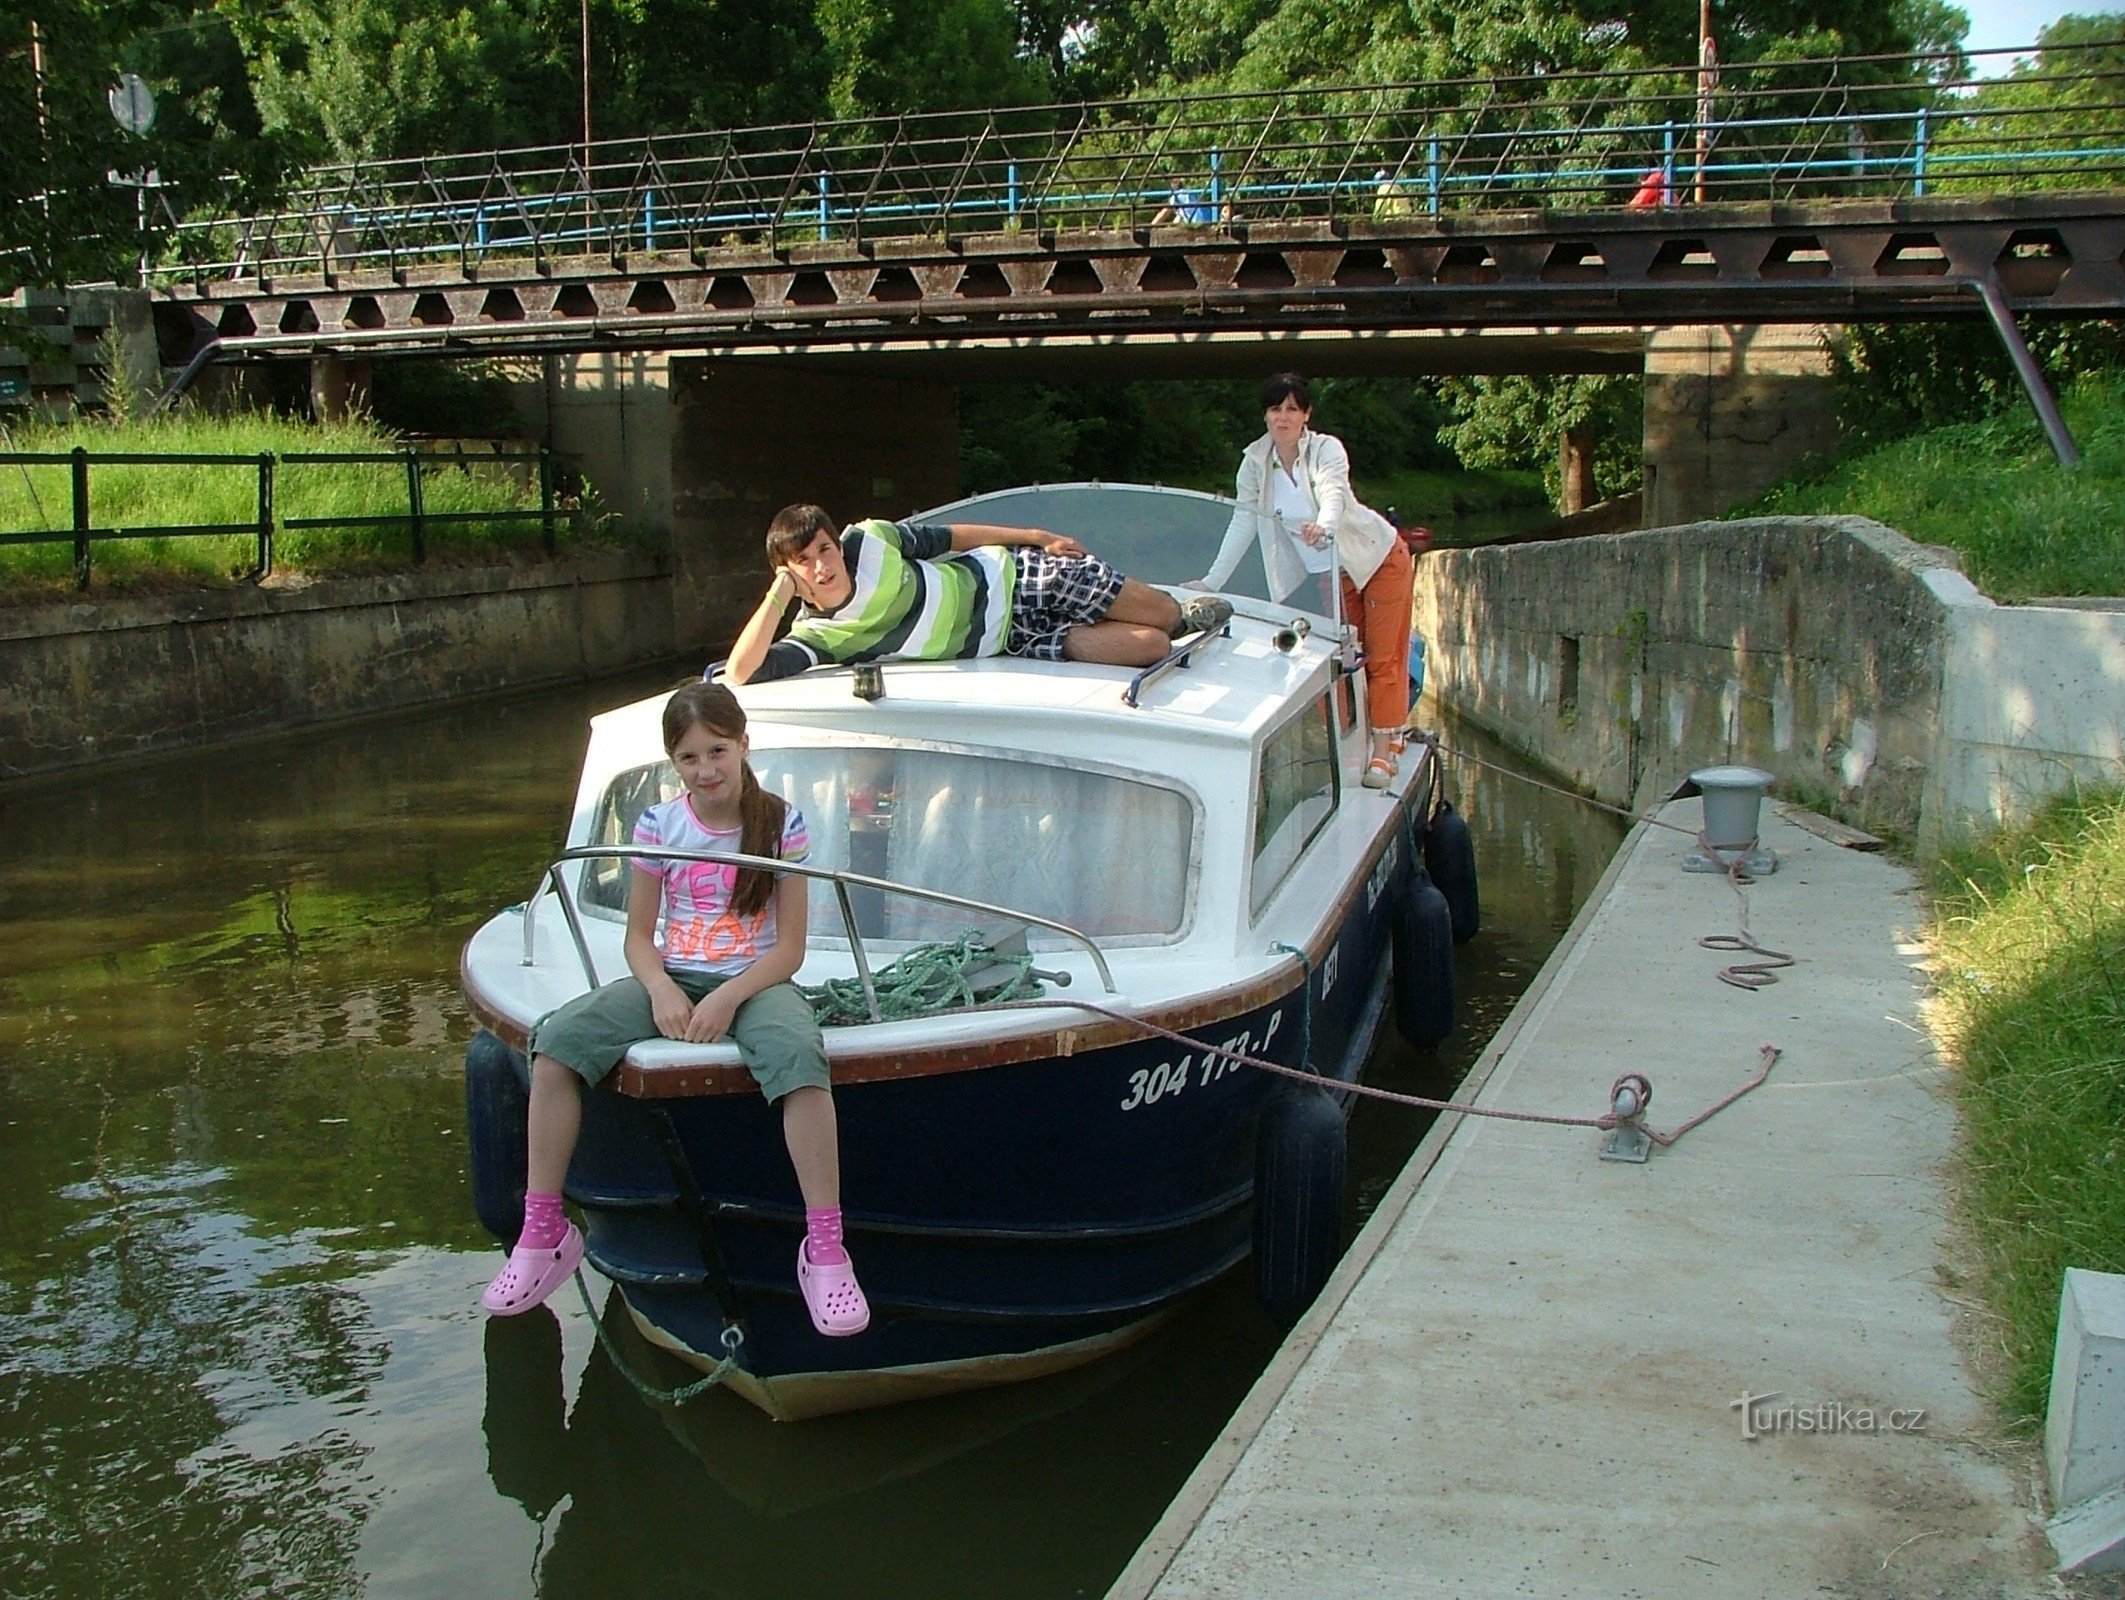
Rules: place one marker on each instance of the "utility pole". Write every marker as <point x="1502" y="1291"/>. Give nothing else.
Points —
<point x="44" y="126"/>
<point x="1707" y="81"/>
<point x="588" y="185"/>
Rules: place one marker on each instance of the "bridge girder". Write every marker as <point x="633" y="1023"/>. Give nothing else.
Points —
<point x="1829" y="261"/>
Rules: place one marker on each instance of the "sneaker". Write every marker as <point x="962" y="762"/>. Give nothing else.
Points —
<point x="1205" y="613"/>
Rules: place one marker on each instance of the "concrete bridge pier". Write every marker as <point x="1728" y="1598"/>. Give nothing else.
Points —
<point x="339" y="387"/>
<point x="749" y="436"/>
<point x="1730" y="410"/>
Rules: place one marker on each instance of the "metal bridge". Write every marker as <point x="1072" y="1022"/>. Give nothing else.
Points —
<point x="1815" y="191"/>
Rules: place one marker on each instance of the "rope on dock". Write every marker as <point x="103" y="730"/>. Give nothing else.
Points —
<point x="1767" y="1056"/>
<point x="1740" y="974"/>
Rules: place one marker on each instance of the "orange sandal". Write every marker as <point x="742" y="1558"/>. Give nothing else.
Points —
<point x="1379" y="772"/>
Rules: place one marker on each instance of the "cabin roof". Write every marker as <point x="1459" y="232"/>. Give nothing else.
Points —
<point x="1237" y="687"/>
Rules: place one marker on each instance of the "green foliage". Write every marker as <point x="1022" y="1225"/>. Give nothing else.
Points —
<point x="2029" y="978"/>
<point x="2050" y="102"/>
<point x="40" y="499"/>
<point x="1993" y="491"/>
<point x="61" y="220"/>
<point x="1518" y="422"/>
<point x="1275" y="43"/>
<point x="1897" y="378"/>
<point x="346" y="80"/>
<point x="1187" y="434"/>
<point x="463" y="399"/>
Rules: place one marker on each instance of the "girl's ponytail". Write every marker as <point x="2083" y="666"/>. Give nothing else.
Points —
<point x="760" y="820"/>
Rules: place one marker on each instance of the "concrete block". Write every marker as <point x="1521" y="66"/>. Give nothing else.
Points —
<point x="2090" y="1537"/>
<point x="2084" y="1430"/>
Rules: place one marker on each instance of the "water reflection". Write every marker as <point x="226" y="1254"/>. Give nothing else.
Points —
<point x="237" y="1346"/>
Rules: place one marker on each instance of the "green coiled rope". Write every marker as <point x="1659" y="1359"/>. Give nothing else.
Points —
<point x="929" y="978"/>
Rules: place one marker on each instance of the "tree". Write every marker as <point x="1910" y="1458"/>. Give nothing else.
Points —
<point x="1516" y="421"/>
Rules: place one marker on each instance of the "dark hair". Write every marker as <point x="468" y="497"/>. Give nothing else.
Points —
<point x="792" y="532"/>
<point x="1286" y="386"/>
<point x="760" y="814"/>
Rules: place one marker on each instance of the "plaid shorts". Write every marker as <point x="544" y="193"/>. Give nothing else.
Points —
<point x="1054" y="595"/>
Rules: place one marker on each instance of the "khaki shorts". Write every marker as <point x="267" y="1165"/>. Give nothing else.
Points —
<point x="774" y="1031"/>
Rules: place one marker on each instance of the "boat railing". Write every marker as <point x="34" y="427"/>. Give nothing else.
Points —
<point x="842" y="880"/>
<point x="1181" y="655"/>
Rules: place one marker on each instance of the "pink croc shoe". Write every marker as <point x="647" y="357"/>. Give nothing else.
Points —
<point x="532" y="1274"/>
<point x="832" y="1296"/>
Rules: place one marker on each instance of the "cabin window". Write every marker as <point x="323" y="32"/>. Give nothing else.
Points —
<point x="1109" y="854"/>
<point x="1294" y="795"/>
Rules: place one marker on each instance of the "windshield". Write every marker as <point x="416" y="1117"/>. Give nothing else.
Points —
<point x="1164" y="536"/>
<point x="1103" y="853"/>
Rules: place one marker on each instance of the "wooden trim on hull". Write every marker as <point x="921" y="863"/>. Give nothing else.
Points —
<point x="1092" y="1033"/>
<point x="801" y="1395"/>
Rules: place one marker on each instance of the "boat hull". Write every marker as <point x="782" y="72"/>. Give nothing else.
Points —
<point x="1008" y="1220"/>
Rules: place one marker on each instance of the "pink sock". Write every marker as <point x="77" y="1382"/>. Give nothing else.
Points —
<point x="822" y="1236"/>
<point x="544" y="1225"/>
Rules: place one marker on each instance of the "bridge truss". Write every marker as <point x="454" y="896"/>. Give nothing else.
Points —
<point x="1812" y="191"/>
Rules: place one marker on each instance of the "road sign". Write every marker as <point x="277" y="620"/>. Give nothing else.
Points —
<point x="133" y="103"/>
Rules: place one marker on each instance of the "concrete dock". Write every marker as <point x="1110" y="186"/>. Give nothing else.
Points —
<point x="1528" y="1376"/>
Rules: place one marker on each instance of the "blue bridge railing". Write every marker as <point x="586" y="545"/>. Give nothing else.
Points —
<point x="1822" y="129"/>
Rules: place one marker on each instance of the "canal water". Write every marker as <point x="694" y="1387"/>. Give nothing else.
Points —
<point x="240" y="1349"/>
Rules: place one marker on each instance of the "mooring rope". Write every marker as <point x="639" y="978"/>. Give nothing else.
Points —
<point x="1741" y="974"/>
<point x="641" y="1385"/>
<point x="1767" y="1056"/>
<point x="931" y="977"/>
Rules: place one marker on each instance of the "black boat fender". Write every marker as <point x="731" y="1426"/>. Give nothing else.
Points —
<point x="1450" y="858"/>
<point x="497" y="1106"/>
<point x="1423" y="934"/>
<point x="1300" y="1153"/>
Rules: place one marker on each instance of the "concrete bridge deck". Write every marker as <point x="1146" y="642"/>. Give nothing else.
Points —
<point x="1524" y="1378"/>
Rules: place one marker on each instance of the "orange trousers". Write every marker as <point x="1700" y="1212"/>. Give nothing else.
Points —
<point x="1381" y="611"/>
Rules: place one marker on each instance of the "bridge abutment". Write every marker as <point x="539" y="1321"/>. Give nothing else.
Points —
<point x="750" y="437"/>
<point x="1730" y="410"/>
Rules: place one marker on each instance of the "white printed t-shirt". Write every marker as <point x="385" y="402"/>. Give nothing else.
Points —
<point x="701" y="933"/>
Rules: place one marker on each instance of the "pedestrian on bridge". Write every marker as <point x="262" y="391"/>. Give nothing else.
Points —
<point x="1319" y="542"/>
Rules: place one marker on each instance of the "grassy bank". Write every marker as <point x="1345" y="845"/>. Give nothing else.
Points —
<point x="1994" y="492"/>
<point x="40" y="498"/>
<point x="2030" y="1007"/>
<point x="1420" y="496"/>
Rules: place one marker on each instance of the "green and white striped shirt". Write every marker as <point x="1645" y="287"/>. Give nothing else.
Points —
<point x="913" y="599"/>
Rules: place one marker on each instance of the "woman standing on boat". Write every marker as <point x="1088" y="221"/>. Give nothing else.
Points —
<point x="733" y="940"/>
<point x="1295" y="501"/>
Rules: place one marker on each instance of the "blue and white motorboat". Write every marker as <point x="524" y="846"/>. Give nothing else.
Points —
<point x="1186" y="847"/>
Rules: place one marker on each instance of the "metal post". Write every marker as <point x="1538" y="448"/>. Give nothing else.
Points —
<point x="1918" y="161"/>
<point x="649" y="219"/>
<point x="2028" y="371"/>
<point x="1011" y="195"/>
<point x="1667" y="164"/>
<point x="1431" y="177"/>
<point x="479" y="227"/>
<point x="81" y="517"/>
<point x="824" y="231"/>
<point x="265" y="514"/>
<point x="413" y="503"/>
<point x="546" y="494"/>
<point x="1217" y="209"/>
